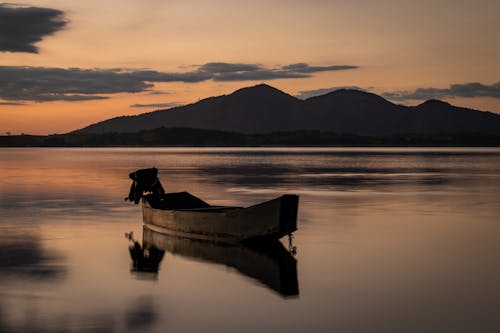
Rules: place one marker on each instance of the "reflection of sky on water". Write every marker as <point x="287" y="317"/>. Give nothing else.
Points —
<point x="70" y="278"/>
<point x="141" y="315"/>
<point x="389" y="240"/>
<point x="26" y="259"/>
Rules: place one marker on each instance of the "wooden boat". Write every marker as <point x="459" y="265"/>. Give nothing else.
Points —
<point x="183" y="214"/>
<point x="267" y="263"/>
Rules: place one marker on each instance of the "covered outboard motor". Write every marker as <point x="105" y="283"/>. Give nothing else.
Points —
<point x="145" y="181"/>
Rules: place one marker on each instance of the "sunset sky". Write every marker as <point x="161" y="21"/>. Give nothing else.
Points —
<point x="67" y="64"/>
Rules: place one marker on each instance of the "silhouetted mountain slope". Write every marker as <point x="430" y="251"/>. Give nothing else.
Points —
<point x="353" y="111"/>
<point x="436" y="116"/>
<point x="249" y="110"/>
<point x="264" y="109"/>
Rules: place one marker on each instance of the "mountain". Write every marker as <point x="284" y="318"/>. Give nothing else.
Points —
<point x="440" y="117"/>
<point x="353" y="111"/>
<point x="256" y="109"/>
<point x="264" y="109"/>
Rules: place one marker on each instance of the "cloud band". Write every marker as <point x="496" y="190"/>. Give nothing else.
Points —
<point x="22" y="27"/>
<point x="43" y="84"/>
<point x="468" y="90"/>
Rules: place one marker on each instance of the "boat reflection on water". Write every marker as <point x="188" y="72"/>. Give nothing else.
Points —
<point x="268" y="263"/>
<point x="144" y="260"/>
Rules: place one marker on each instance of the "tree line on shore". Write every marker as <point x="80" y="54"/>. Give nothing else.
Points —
<point x="198" y="137"/>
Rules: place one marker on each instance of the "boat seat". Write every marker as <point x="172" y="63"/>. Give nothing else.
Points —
<point x="179" y="200"/>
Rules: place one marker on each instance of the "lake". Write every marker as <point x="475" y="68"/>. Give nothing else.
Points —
<point x="388" y="240"/>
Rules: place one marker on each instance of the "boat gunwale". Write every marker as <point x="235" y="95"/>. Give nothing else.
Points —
<point x="217" y="208"/>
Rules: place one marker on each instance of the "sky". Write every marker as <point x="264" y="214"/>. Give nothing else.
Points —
<point x="67" y="64"/>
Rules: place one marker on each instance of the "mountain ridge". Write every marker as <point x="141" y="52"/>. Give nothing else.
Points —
<point x="264" y="109"/>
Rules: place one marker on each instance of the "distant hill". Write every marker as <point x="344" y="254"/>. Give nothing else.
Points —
<point x="264" y="109"/>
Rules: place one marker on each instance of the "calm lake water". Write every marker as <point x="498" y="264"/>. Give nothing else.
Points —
<point x="388" y="240"/>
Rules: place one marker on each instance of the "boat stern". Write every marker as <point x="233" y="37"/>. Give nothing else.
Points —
<point x="288" y="213"/>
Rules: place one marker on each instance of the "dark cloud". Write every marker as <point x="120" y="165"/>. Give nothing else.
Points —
<point x="50" y="84"/>
<point x="42" y="84"/>
<point x="22" y="27"/>
<point x="418" y="94"/>
<point x="154" y="76"/>
<point x="223" y="67"/>
<point x="68" y="98"/>
<point x="156" y="105"/>
<point x="249" y="72"/>
<point x="258" y="75"/>
<point x="159" y="92"/>
<point x="472" y="89"/>
<point x="11" y="103"/>
<point x="476" y="89"/>
<point x="305" y="94"/>
<point x="305" y="68"/>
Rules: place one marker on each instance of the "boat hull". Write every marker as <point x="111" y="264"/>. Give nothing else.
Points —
<point x="271" y="219"/>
